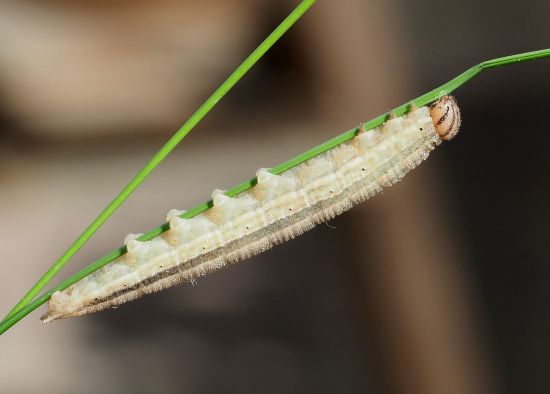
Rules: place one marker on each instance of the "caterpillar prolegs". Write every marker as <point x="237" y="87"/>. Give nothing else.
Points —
<point x="276" y="209"/>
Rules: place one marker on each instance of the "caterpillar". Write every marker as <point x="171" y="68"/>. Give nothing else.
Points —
<point x="278" y="208"/>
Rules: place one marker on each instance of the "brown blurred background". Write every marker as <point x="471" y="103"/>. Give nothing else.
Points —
<point x="438" y="286"/>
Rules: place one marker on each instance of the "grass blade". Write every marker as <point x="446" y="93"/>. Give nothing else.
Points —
<point x="164" y="151"/>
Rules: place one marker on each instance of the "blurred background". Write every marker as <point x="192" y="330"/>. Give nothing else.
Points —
<point x="440" y="285"/>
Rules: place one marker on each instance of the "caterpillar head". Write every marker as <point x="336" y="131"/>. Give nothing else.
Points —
<point x="446" y="117"/>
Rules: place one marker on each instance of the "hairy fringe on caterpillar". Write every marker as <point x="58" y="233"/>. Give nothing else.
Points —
<point x="277" y="209"/>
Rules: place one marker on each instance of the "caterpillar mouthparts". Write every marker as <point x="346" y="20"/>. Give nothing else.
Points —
<point x="278" y="208"/>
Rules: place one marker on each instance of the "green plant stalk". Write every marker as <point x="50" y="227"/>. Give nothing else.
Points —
<point x="425" y="99"/>
<point x="165" y="150"/>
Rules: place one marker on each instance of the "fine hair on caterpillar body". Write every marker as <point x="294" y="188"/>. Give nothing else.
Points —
<point x="278" y="208"/>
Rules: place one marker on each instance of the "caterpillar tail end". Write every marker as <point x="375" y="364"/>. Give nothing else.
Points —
<point x="57" y="308"/>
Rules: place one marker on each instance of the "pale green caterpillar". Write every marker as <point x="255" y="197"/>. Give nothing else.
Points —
<point x="278" y="208"/>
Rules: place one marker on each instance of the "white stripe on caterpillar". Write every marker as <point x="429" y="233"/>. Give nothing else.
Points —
<point x="278" y="208"/>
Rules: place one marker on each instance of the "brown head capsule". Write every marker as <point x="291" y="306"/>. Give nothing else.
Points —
<point x="446" y="117"/>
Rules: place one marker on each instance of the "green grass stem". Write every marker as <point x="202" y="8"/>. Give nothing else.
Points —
<point x="425" y="99"/>
<point x="164" y="151"/>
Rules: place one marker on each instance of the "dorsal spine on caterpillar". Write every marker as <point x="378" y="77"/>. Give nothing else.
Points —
<point x="278" y="208"/>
